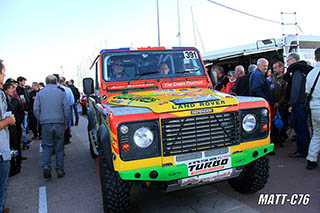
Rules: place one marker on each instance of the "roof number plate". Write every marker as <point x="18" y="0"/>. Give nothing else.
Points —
<point x="190" y="54"/>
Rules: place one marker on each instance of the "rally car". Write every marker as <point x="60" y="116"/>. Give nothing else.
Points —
<point x="157" y="120"/>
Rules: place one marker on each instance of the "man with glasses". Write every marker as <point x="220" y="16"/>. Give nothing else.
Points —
<point x="117" y="70"/>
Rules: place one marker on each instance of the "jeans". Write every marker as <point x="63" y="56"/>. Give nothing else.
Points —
<point x="4" y="171"/>
<point x="314" y="146"/>
<point x="25" y="126"/>
<point x="301" y="129"/>
<point x="74" y="108"/>
<point x="52" y="138"/>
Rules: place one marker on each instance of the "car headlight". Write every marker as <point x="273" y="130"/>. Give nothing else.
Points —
<point x="143" y="137"/>
<point x="249" y="122"/>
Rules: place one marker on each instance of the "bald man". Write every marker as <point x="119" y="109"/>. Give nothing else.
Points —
<point x="258" y="84"/>
<point x="240" y="72"/>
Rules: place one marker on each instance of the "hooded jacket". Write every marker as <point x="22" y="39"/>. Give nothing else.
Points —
<point x="296" y="78"/>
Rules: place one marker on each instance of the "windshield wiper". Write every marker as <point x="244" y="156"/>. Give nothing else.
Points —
<point x="144" y="73"/>
<point x="138" y="75"/>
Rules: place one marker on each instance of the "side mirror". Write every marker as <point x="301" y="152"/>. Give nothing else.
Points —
<point x="88" y="86"/>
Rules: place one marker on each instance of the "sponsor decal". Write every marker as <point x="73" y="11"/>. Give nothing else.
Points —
<point x="201" y="104"/>
<point x="165" y="102"/>
<point x="104" y="97"/>
<point x="186" y="93"/>
<point x="163" y="91"/>
<point x="176" y="84"/>
<point x="209" y="165"/>
<point x="174" y="173"/>
<point x="240" y="160"/>
<point x="116" y="101"/>
<point x="129" y="86"/>
<point x="201" y="111"/>
<point x="207" y="177"/>
<point x="195" y="98"/>
<point x="224" y="124"/>
<point x="138" y="98"/>
<point x="184" y="106"/>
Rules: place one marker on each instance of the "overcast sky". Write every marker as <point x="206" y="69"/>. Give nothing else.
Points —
<point x="41" y="37"/>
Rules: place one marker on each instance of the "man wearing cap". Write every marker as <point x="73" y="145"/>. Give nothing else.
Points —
<point x="5" y="154"/>
<point x="24" y="97"/>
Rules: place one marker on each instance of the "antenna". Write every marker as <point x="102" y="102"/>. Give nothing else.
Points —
<point x="194" y="31"/>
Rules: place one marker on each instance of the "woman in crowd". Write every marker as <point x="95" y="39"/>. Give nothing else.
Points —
<point x="16" y="108"/>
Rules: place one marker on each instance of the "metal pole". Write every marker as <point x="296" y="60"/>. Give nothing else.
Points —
<point x="194" y="31"/>
<point x="179" y="32"/>
<point x="158" y="23"/>
<point x="200" y="37"/>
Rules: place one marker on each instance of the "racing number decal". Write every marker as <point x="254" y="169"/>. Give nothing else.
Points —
<point x="190" y="54"/>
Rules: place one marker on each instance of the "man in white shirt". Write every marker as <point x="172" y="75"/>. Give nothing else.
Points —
<point x="314" y="146"/>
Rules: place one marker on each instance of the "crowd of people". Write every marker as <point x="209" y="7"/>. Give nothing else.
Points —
<point x="47" y="110"/>
<point x="290" y="94"/>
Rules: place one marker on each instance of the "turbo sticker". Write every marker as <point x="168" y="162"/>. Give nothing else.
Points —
<point x="209" y="165"/>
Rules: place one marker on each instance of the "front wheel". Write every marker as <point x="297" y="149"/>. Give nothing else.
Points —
<point x="253" y="178"/>
<point x="115" y="191"/>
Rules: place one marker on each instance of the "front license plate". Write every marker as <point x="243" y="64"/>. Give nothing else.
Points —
<point x="206" y="177"/>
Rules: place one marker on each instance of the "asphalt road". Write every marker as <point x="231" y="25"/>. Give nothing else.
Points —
<point x="79" y="190"/>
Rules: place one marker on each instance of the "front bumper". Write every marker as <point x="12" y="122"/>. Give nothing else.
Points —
<point x="169" y="173"/>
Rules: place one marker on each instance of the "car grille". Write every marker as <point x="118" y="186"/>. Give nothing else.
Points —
<point x="190" y="134"/>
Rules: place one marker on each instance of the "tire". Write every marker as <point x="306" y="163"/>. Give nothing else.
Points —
<point x="115" y="191"/>
<point x="253" y="177"/>
<point x="84" y="110"/>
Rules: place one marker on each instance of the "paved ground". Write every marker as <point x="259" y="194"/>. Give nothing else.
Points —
<point x="79" y="190"/>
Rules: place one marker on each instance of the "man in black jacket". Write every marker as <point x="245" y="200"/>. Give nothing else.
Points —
<point x="296" y="78"/>
<point x="76" y="96"/>
<point x="25" y="99"/>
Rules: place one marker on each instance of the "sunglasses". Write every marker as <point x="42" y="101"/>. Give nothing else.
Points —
<point x="120" y="65"/>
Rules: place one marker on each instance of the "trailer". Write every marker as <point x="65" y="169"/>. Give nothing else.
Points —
<point x="271" y="49"/>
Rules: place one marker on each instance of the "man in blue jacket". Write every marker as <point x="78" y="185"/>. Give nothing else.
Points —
<point x="258" y="84"/>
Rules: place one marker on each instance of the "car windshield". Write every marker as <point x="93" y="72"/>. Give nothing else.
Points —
<point x="136" y="65"/>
